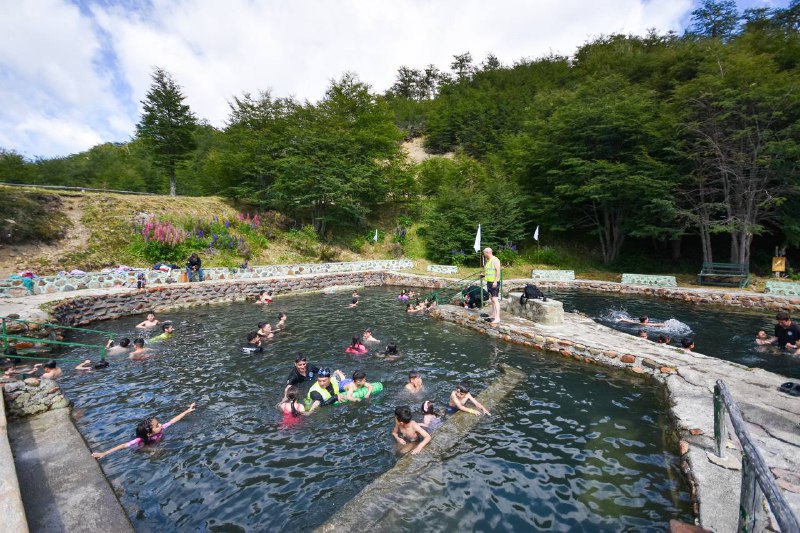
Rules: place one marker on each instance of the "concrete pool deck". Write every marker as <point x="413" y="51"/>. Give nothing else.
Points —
<point x="772" y="417"/>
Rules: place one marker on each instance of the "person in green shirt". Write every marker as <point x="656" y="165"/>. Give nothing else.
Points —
<point x="167" y="331"/>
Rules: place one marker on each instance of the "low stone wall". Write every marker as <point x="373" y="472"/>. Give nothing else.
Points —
<point x="553" y="275"/>
<point x="32" y="396"/>
<point x="103" y="280"/>
<point x="85" y="309"/>
<point x="698" y="296"/>
<point x="785" y="288"/>
<point x="443" y="269"/>
<point x="647" y="279"/>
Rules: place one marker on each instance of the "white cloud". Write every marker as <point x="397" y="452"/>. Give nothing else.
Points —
<point x="85" y="72"/>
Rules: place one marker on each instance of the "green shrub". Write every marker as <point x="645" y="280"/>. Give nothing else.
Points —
<point x="303" y="240"/>
<point x="507" y="256"/>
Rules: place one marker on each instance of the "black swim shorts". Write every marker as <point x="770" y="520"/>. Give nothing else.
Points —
<point x="493" y="291"/>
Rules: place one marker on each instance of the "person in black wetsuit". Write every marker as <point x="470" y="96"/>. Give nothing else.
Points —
<point x="253" y="343"/>
<point x="787" y="333"/>
<point x="472" y="296"/>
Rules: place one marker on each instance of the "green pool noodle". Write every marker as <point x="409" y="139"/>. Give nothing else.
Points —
<point x="359" y="393"/>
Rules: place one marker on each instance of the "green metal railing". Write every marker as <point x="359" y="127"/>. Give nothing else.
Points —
<point x="456" y="286"/>
<point x="35" y="340"/>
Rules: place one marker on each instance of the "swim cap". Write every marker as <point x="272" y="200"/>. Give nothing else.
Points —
<point x="324" y="373"/>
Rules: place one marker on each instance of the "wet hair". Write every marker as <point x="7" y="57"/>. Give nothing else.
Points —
<point x="782" y="315"/>
<point x="291" y="395"/>
<point x="643" y="319"/>
<point x="413" y="374"/>
<point x="124" y="342"/>
<point x="300" y="357"/>
<point x="101" y="365"/>
<point x="356" y="342"/>
<point x="403" y="414"/>
<point x="409" y="306"/>
<point x="139" y="342"/>
<point x="687" y="342"/>
<point x="355" y="300"/>
<point x="252" y="335"/>
<point x="391" y="349"/>
<point x="144" y="428"/>
<point x="642" y="333"/>
<point x="359" y="375"/>
<point x="165" y="325"/>
<point x="462" y="387"/>
<point x="51" y="364"/>
<point x="262" y="324"/>
<point x="428" y="408"/>
<point x="663" y="339"/>
<point x="281" y="316"/>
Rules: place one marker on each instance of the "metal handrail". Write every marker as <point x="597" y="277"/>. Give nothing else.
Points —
<point x="757" y="481"/>
<point x="24" y="338"/>
<point x="435" y="294"/>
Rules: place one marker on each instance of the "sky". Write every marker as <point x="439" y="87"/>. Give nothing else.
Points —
<point x="73" y="73"/>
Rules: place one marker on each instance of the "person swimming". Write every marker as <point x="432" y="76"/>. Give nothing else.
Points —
<point x="290" y="406"/>
<point x="148" y="431"/>
<point x="356" y="347"/>
<point x="430" y="419"/>
<point x="367" y="336"/>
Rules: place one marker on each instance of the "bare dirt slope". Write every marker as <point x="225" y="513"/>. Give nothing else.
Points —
<point x="415" y="151"/>
<point x="18" y="257"/>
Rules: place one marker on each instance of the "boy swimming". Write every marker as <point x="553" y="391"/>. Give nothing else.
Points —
<point x="349" y="386"/>
<point x="414" y="384"/>
<point x="459" y="399"/>
<point x="407" y="432"/>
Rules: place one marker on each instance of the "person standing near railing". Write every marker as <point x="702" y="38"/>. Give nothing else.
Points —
<point x="491" y="274"/>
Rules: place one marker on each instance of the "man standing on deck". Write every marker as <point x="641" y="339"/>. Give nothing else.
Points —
<point x="491" y="273"/>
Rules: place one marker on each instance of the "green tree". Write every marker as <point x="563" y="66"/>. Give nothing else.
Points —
<point x="715" y="19"/>
<point x="14" y="168"/>
<point x="167" y="125"/>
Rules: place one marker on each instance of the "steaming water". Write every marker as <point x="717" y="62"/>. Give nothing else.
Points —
<point x="572" y="448"/>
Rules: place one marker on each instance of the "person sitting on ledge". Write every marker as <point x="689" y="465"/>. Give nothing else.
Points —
<point x="194" y="268"/>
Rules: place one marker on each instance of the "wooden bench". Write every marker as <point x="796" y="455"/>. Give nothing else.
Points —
<point x="724" y="274"/>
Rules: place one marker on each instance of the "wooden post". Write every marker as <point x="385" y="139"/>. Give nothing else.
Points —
<point x="720" y="428"/>
<point x="752" y="518"/>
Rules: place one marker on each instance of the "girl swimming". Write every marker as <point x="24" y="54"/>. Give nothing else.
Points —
<point x="148" y="431"/>
<point x="290" y="406"/>
<point x="356" y="347"/>
<point x="430" y="419"/>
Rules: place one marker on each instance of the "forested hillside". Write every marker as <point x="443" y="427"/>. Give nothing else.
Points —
<point x="674" y="148"/>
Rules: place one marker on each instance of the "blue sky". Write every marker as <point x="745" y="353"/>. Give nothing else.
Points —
<point x="72" y="73"/>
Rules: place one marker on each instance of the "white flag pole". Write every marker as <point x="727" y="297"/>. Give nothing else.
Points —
<point x="375" y="238"/>
<point x="538" y="246"/>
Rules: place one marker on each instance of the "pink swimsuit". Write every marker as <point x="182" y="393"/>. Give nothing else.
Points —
<point x="153" y="439"/>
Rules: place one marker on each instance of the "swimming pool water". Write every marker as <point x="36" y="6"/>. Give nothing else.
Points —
<point x="571" y="449"/>
<point x="718" y="331"/>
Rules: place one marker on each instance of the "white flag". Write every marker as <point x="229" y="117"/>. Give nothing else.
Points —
<point x="536" y="234"/>
<point x="477" y="244"/>
<point x="375" y="238"/>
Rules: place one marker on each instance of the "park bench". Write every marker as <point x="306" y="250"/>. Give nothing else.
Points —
<point x="724" y="274"/>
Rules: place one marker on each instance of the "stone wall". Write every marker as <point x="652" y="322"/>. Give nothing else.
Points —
<point x="31" y="397"/>
<point x="549" y="312"/>
<point x="443" y="269"/>
<point x="104" y="280"/>
<point x="785" y="288"/>
<point x="647" y="279"/>
<point x="82" y="310"/>
<point x="553" y="275"/>
<point x="751" y="300"/>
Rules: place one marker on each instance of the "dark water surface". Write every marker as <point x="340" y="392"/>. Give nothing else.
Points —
<point x="574" y="448"/>
<point x="718" y="331"/>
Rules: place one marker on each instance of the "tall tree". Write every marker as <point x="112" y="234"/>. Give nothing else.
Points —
<point x="715" y="19"/>
<point x="167" y="125"/>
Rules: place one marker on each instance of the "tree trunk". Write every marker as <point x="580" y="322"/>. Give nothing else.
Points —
<point x="676" y="248"/>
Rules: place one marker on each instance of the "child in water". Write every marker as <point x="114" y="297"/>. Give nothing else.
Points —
<point x="762" y="338"/>
<point x="349" y="386"/>
<point x="290" y="407"/>
<point x="459" y="399"/>
<point x="407" y="432"/>
<point x="356" y="347"/>
<point x="430" y="419"/>
<point x="148" y="431"/>
<point x="367" y="336"/>
<point x="148" y="323"/>
<point x="353" y="303"/>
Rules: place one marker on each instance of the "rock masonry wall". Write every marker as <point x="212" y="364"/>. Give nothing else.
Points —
<point x="104" y="280"/>
<point x="31" y="396"/>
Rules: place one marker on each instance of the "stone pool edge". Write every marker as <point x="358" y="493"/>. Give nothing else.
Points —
<point x="106" y="304"/>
